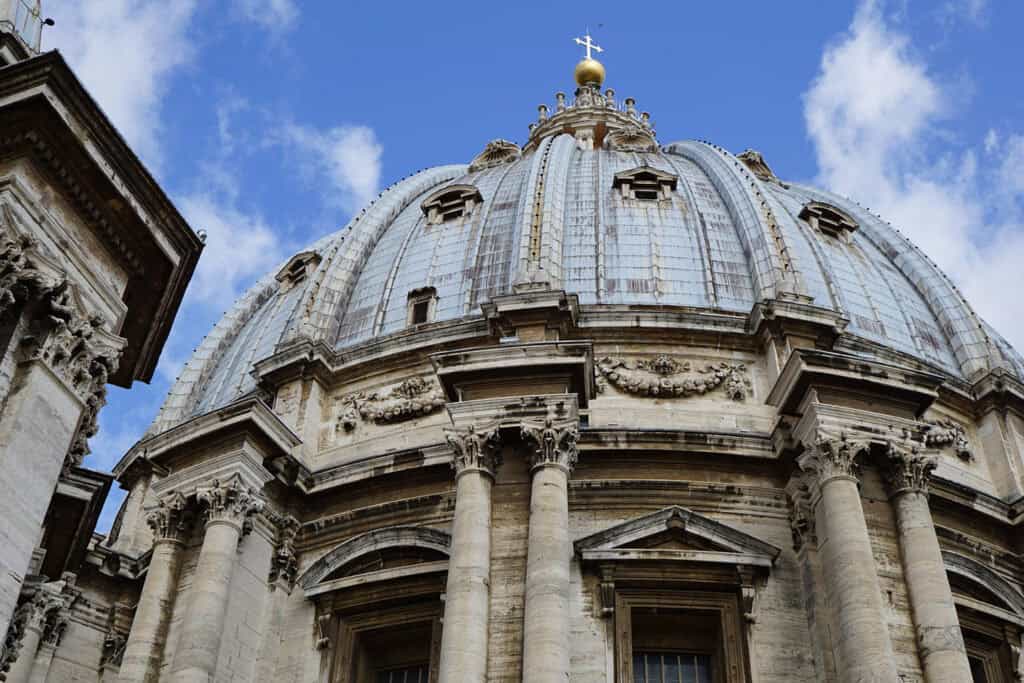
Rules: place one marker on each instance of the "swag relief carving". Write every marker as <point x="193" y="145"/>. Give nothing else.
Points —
<point x="414" y="397"/>
<point x="669" y="377"/>
<point x="945" y="433"/>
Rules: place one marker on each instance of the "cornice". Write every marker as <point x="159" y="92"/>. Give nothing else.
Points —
<point x="49" y="117"/>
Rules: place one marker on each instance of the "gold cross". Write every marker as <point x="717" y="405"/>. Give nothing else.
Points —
<point x="589" y="44"/>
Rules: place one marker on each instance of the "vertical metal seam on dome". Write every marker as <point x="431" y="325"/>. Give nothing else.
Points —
<point x="700" y="228"/>
<point x="468" y="294"/>
<point x="599" y="255"/>
<point x="389" y="282"/>
<point x="819" y="258"/>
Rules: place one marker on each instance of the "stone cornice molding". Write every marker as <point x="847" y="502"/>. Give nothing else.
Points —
<point x="171" y="518"/>
<point x="907" y="469"/>
<point x="474" y="449"/>
<point x="229" y="502"/>
<point x="46" y="109"/>
<point x="553" y="443"/>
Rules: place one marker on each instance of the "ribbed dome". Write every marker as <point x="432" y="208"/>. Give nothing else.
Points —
<point x="718" y="233"/>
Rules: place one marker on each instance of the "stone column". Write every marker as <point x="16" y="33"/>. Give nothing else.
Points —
<point x="467" y="595"/>
<point x="30" y="622"/>
<point x="851" y="583"/>
<point x="143" y="653"/>
<point x="549" y="553"/>
<point x="939" y="640"/>
<point x="229" y="505"/>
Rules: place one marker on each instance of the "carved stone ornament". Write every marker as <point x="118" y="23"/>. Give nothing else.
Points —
<point x="668" y="377"/>
<point x="230" y="502"/>
<point x="496" y="153"/>
<point x="171" y="517"/>
<point x="801" y="516"/>
<point x="284" y="564"/>
<point x="945" y="433"/>
<point x="907" y="469"/>
<point x="553" y="443"/>
<point x="44" y="611"/>
<point x="631" y="138"/>
<point x="414" y="397"/>
<point x="833" y="457"/>
<point x="475" y="449"/>
<point x="322" y="630"/>
<point x="113" y="649"/>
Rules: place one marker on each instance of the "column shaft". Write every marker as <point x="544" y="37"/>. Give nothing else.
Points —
<point x="21" y="669"/>
<point x="939" y="640"/>
<point x="144" y="651"/>
<point x="546" y="622"/>
<point x="41" y="667"/>
<point x="467" y="596"/>
<point x="195" y="658"/>
<point x="851" y="583"/>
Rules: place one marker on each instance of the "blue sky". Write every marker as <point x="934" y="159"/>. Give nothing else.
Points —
<point x="270" y="122"/>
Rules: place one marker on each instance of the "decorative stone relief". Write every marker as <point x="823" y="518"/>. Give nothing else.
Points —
<point x="171" y="517"/>
<point x="496" y="153"/>
<point x="833" y="457"/>
<point x="553" y="443"/>
<point x="20" y="281"/>
<point x="631" y="138"/>
<point x="475" y="449"/>
<point x="284" y="564"/>
<point x="668" y="377"/>
<point x="907" y="468"/>
<point x="801" y="515"/>
<point x="414" y="397"/>
<point x="322" y="630"/>
<point x="945" y="433"/>
<point x="231" y="502"/>
<point x="44" y="611"/>
<point x="113" y="649"/>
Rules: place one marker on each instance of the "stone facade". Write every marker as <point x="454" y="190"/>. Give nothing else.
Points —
<point x="552" y="489"/>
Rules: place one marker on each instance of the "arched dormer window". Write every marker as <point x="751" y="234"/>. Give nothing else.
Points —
<point x="828" y="219"/>
<point x="298" y="268"/>
<point x="422" y="303"/>
<point x="451" y="203"/>
<point x="645" y="184"/>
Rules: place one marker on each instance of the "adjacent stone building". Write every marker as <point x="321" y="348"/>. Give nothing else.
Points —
<point x="94" y="260"/>
<point x="588" y="409"/>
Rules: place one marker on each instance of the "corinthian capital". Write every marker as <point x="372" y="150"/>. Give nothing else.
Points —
<point x="553" y="443"/>
<point x="171" y="517"/>
<point x="229" y="501"/>
<point x="832" y="457"/>
<point x="908" y="470"/>
<point x="475" y="449"/>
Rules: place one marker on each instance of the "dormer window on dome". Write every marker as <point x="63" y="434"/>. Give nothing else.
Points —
<point x="828" y="219"/>
<point x="645" y="184"/>
<point x="451" y="203"/>
<point x="421" y="305"/>
<point x="298" y="268"/>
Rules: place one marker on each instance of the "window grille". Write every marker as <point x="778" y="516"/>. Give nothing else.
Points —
<point x="671" y="667"/>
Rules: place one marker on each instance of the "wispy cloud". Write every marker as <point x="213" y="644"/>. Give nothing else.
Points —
<point x="126" y="51"/>
<point x="875" y="115"/>
<point x="348" y="156"/>
<point x="274" y="15"/>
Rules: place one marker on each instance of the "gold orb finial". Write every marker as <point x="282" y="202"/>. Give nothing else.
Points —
<point x="589" y="71"/>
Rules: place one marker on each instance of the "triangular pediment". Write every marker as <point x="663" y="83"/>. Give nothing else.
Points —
<point x="675" y="532"/>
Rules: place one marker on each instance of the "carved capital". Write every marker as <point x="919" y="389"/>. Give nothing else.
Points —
<point x="229" y="502"/>
<point x="474" y="449"/>
<point x="171" y="517"/>
<point x="830" y="458"/>
<point x="284" y="564"/>
<point x="553" y="443"/>
<point x="907" y="469"/>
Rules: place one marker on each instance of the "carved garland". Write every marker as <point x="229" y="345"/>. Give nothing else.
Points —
<point x="668" y="377"/>
<point x="414" y="397"/>
<point x="945" y="433"/>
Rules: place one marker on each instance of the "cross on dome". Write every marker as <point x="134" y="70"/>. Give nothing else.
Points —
<point x="588" y="43"/>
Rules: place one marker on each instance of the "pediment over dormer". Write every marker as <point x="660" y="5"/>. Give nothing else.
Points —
<point x="676" y="533"/>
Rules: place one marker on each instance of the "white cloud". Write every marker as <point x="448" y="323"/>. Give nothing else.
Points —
<point x="874" y="115"/>
<point x="125" y="52"/>
<point x="239" y="248"/>
<point x="350" y="157"/>
<point x="274" y="15"/>
<point x="974" y="11"/>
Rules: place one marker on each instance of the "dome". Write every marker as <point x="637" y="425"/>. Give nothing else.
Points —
<point x="594" y="206"/>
